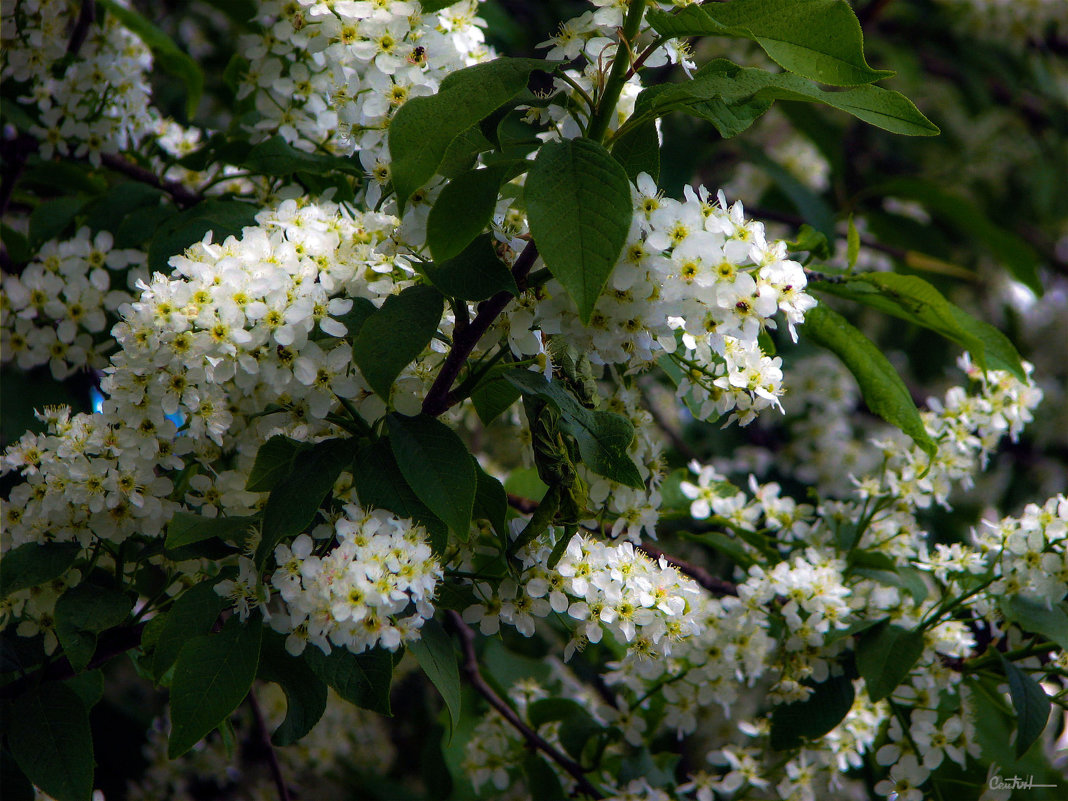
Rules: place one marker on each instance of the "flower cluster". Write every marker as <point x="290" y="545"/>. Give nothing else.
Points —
<point x="699" y="282"/>
<point x="93" y="103"/>
<point x="646" y="605"/>
<point x="63" y="302"/>
<point x="332" y="74"/>
<point x="374" y="589"/>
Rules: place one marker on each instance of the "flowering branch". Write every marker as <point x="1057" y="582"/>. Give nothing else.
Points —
<point x="439" y="398"/>
<point x="716" y="586"/>
<point x="474" y="677"/>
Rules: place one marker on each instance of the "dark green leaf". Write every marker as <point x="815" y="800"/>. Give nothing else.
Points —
<point x="603" y="438"/>
<point x="16" y="786"/>
<point x="124" y="198"/>
<point x="819" y="39"/>
<point x="638" y="150"/>
<point x="910" y="298"/>
<point x="49" y="737"/>
<point x="380" y="484"/>
<point x="212" y="676"/>
<point x="882" y="388"/>
<point x="277" y="157"/>
<point x="542" y="781"/>
<point x="463" y="209"/>
<point x="361" y="679"/>
<point x="68" y="177"/>
<point x="434" y="652"/>
<point x="32" y="564"/>
<point x="396" y="334"/>
<point x="491" y="502"/>
<point x="475" y="274"/>
<point x="1031" y="703"/>
<point x="187" y="528"/>
<point x="354" y="319"/>
<point x="192" y="615"/>
<point x="292" y="505"/>
<point x="792" y="725"/>
<point x="437" y="466"/>
<point x="139" y="226"/>
<point x="885" y="654"/>
<point x="84" y="611"/>
<point x="579" y="208"/>
<point x="430" y="6"/>
<point x="305" y="692"/>
<point x="810" y="240"/>
<point x="733" y="85"/>
<point x="89" y="686"/>
<point x="167" y="56"/>
<point x="221" y="217"/>
<point x="424" y="127"/>
<point x="1033" y="615"/>
<point x="493" y="397"/>
<point x="52" y="217"/>
<point x="18" y="246"/>
<point x="274" y="461"/>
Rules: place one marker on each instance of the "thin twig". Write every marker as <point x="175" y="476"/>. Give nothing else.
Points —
<point x="86" y="17"/>
<point x="265" y="741"/>
<point x="439" y="398"/>
<point x="714" y="585"/>
<point x="181" y="194"/>
<point x="474" y="677"/>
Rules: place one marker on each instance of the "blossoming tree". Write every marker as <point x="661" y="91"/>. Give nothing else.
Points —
<point x="379" y="365"/>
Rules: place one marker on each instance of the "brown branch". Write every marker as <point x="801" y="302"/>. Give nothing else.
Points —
<point x="535" y="740"/>
<point x="265" y="741"/>
<point x="112" y="643"/>
<point x="675" y="437"/>
<point x="439" y="398"/>
<point x="716" y="586"/>
<point x="86" y="17"/>
<point x="182" y="195"/>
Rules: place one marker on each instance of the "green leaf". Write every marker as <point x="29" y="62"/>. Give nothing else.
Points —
<point x="638" y="150"/>
<point x="165" y="52"/>
<point x="491" y="502"/>
<point x="1031" y="703"/>
<point x="809" y="240"/>
<point x="577" y="726"/>
<point x="437" y="466"/>
<point x="819" y="39"/>
<point x="910" y="298"/>
<point x="885" y="654"/>
<point x="212" y="676"/>
<point x="491" y="398"/>
<point x="792" y="725"/>
<point x="462" y="211"/>
<point x="579" y="208"/>
<point x="49" y="737"/>
<point x="221" y="217"/>
<point x="424" y="127"/>
<point x="123" y="199"/>
<point x="733" y="85"/>
<point x="187" y="528"/>
<point x="474" y="274"/>
<point x="603" y="438"/>
<point x="434" y="652"/>
<point x="277" y="157"/>
<point x="380" y="484"/>
<point x="192" y="614"/>
<point x="542" y="781"/>
<point x="32" y="564"/>
<point x="16" y="786"/>
<point x="882" y="388"/>
<point x="1033" y="615"/>
<point x="274" y="461"/>
<point x="89" y="686"/>
<point x="52" y="217"/>
<point x="361" y="679"/>
<point x="292" y="505"/>
<point x="305" y="692"/>
<point x="84" y="611"/>
<point x="907" y="579"/>
<point x="392" y="337"/>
